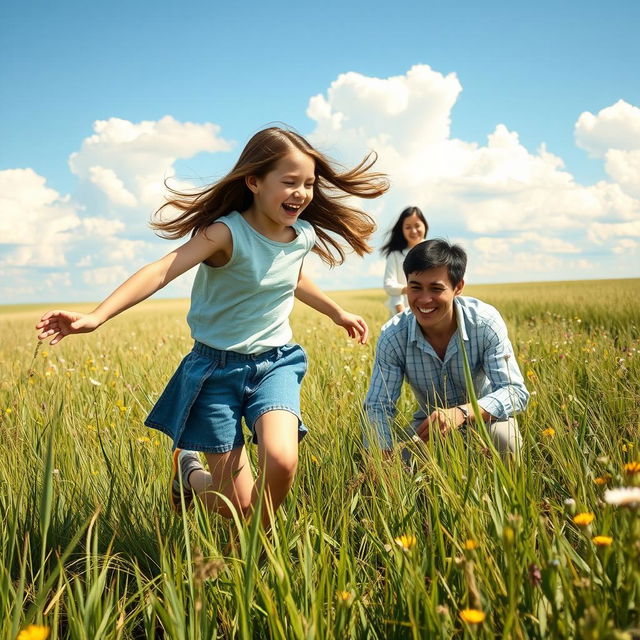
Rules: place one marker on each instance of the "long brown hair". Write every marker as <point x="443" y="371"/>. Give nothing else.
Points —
<point x="327" y="211"/>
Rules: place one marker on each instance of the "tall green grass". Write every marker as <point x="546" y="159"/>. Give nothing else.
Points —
<point x="90" y="549"/>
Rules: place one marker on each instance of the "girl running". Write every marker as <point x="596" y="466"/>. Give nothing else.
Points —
<point x="249" y="235"/>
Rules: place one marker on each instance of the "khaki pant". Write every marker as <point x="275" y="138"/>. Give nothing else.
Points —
<point x="506" y="436"/>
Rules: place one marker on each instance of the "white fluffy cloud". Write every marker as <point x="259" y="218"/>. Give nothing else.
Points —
<point x="126" y="163"/>
<point x="615" y="127"/>
<point x="36" y="222"/>
<point x="498" y="194"/>
<point x="614" y="134"/>
<point x="129" y="161"/>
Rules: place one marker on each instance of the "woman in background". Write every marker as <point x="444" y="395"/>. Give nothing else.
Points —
<point x="410" y="228"/>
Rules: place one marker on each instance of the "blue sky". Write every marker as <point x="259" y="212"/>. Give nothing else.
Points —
<point x="533" y="69"/>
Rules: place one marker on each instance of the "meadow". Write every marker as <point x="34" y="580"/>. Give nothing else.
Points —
<point x="458" y="544"/>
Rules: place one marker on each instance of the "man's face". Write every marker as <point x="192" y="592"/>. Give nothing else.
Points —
<point x="430" y="294"/>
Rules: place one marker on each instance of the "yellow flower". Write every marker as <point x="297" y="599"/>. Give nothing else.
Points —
<point x="508" y="536"/>
<point x="549" y="432"/>
<point x="314" y="459"/>
<point x="602" y="480"/>
<point x="144" y="440"/>
<point x="602" y="541"/>
<point x="406" y="541"/>
<point x="584" y="519"/>
<point x="631" y="468"/>
<point x="34" y="632"/>
<point x="344" y="597"/>
<point x="472" y="616"/>
<point x="470" y="545"/>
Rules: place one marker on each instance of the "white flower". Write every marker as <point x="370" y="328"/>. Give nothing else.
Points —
<point x="623" y="496"/>
<point x="95" y="383"/>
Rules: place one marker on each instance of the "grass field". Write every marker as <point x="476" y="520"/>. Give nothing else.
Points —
<point x="362" y="548"/>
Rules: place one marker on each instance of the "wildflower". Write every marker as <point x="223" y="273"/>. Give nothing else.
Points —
<point x="602" y="541"/>
<point x="535" y="576"/>
<point x="344" y="597"/>
<point x="95" y="383"/>
<point x="549" y="432"/>
<point x="314" y="459"/>
<point x="531" y="374"/>
<point x="602" y="480"/>
<point x="584" y="519"/>
<point x="570" y="506"/>
<point x="406" y="541"/>
<point x="623" y="496"/>
<point x="631" y="468"/>
<point x="144" y="440"/>
<point x="34" y="632"/>
<point x="470" y="545"/>
<point x="627" y="447"/>
<point x="508" y="536"/>
<point x="8" y="411"/>
<point x="472" y="616"/>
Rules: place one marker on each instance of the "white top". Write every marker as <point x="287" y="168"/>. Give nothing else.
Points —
<point x="395" y="280"/>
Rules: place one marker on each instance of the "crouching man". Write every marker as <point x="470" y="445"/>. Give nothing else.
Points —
<point x="422" y="345"/>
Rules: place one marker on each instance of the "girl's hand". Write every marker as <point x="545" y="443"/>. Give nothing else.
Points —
<point x="355" y="326"/>
<point x="63" y="323"/>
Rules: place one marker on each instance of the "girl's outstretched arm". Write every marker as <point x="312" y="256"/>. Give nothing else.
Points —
<point x="308" y="292"/>
<point x="214" y="243"/>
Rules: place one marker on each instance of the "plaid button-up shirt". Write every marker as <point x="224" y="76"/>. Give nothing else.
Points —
<point x="403" y="353"/>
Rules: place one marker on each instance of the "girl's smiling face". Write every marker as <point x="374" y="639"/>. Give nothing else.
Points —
<point x="280" y="196"/>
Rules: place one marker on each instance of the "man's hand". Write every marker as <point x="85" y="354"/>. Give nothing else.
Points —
<point x="443" y="420"/>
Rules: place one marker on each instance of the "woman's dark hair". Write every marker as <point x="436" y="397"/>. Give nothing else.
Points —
<point x="397" y="241"/>
<point x="437" y="253"/>
<point x="332" y="217"/>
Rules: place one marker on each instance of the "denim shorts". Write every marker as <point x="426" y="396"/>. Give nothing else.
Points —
<point x="211" y="391"/>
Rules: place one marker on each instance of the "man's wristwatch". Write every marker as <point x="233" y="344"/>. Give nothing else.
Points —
<point x="465" y="413"/>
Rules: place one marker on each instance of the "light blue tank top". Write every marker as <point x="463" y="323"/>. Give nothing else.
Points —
<point x="244" y="306"/>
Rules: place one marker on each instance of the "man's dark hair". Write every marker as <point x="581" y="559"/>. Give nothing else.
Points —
<point x="437" y="253"/>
